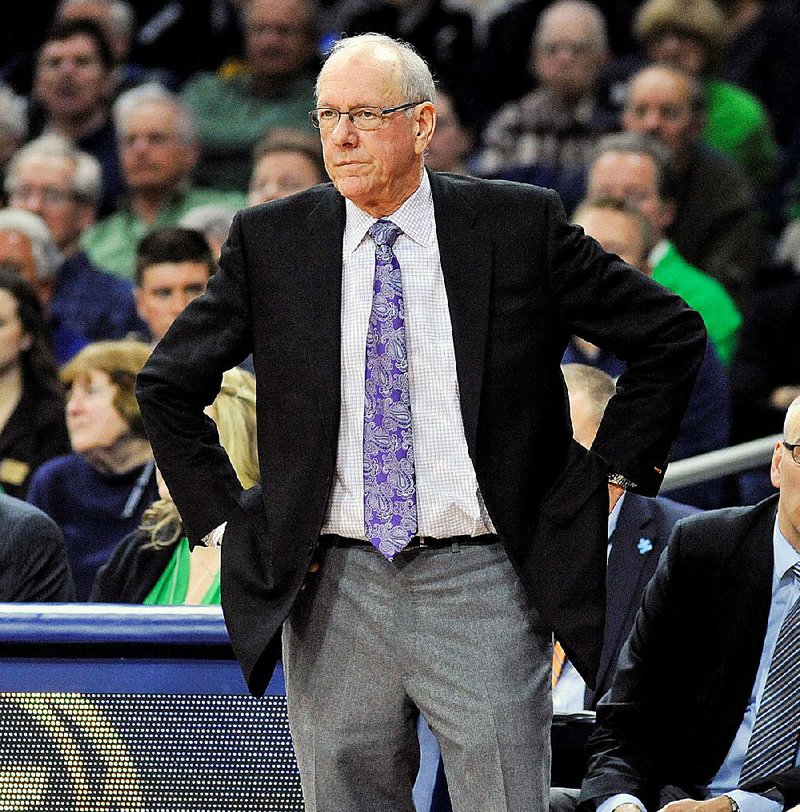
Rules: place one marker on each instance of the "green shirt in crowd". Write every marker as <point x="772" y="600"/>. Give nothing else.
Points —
<point x="232" y="118"/>
<point x="172" y="586"/>
<point x="701" y="292"/>
<point x="112" y="242"/>
<point x="737" y="125"/>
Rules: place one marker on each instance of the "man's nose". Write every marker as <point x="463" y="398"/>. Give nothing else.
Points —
<point x="345" y="131"/>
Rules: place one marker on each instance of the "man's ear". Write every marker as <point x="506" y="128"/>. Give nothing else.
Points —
<point x="775" y="467"/>
<point x="425" y="120"/>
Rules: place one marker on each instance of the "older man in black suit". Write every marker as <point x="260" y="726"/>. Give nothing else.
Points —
<point x="414" y="434"/>
<point x="704" y="710"/>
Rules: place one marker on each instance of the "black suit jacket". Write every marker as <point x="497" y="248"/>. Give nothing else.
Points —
<point x="33" y="559"/>
<point x="641" y="534"/>
<point x="686" y="672"/>
<point x="519" y="282"/>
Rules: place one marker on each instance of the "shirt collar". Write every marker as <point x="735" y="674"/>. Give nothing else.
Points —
<point x="785" y="556"/>
<point x="414" y="217"/>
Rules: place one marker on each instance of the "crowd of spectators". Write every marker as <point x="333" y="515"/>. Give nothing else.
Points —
<point x="131" y="131"/>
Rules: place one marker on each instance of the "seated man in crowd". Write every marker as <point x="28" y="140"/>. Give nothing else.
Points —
<point x="73" y="85"/>
<point x="275" y="88"/>
<point x="691" y="36"/>
<point x="61" y="184"/>
<point x="159" y="149"/>
<point x="635" y="168"/>
<point x="623" y="230"/>
<point x="28" y="249"/>
<point x="285" y="162"/>
<point x="717" y="224"/>
<point x="173" y="266"/>
<point x="550" y="132"/>
<point x="33" y="561"/>
<point x="705" y="703"/>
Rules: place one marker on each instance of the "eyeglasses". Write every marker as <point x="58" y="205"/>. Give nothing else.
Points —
<point x="49" y="195"/>
<point x="794" y="449"/>
<point x="363" y="118"/>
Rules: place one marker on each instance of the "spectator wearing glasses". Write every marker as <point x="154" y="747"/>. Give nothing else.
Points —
<point x="158" y="143"/>
<point x="546" y="136"/>
<point x="274" y="88"/>
<point x="61" y="184"/>
<point x="717" y="224"/>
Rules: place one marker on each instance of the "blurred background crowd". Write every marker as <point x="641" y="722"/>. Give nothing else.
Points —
<point x="131" y="131"/>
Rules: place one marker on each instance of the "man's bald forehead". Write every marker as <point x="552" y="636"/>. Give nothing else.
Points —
<point x="678" y="81"/>
<point x="579" y="16"/>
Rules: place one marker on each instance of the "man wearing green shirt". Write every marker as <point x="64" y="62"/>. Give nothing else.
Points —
<point x="634" y="168"/>
<point x="273" y="88"/>
<point x="158" y="151"/>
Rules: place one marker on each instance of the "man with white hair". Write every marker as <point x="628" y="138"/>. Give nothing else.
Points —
<point x="550" y="131"/>
<point x="419" y="474"/>
<point x="61" y="184"/>
<point x="158" y="149"/>
<point x="27" y="248"/>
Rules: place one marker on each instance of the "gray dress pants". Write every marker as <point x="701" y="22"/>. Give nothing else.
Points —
<point x="447" y="632"/>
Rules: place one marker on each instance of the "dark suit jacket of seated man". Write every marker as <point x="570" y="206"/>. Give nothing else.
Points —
<point x="33" y="559"/>
<point x="517" y="281"/>
<point x="691" y="677"/>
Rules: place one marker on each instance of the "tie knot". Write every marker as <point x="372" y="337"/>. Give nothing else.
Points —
<point x="384" y="232"/>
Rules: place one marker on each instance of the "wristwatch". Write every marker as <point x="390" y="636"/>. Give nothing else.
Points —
<point x="734" y="805"/>
<point x="622" y="481"/>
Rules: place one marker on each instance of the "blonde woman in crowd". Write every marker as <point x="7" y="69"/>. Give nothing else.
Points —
<point x="153" y="565"/>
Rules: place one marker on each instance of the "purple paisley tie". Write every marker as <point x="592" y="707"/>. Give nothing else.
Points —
<point x="390" y="495"/>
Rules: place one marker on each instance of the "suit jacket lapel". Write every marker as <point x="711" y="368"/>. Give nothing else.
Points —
<point x="626" y="568"/>
<point x="466" y="256"/>
<point x="323" y="237"/>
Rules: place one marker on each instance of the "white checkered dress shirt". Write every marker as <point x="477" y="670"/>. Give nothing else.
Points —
<point x="449" y="502"/>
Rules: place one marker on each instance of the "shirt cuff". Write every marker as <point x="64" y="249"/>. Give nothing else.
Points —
<point x="617" y="800"/>
<point x="753" y="802"/>
<point x="214" y="538"/>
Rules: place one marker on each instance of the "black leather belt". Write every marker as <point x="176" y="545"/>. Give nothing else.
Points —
<point x="417" y="543"/>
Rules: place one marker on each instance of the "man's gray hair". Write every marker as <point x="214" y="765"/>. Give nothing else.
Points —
<point x="154" y="93"/>
<point x="86" y="182"/>
<point x="594" y="16"/>
<point x="45" y="252"/>
<point x="212" y="220"/>
<point x="639" y="144"/>
<point x="13" y="116"/>
<point x="416" y="81"/>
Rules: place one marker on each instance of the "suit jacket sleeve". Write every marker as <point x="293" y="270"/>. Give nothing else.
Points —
<point x="182" y="377"/>
<point x="660" y="338"/>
